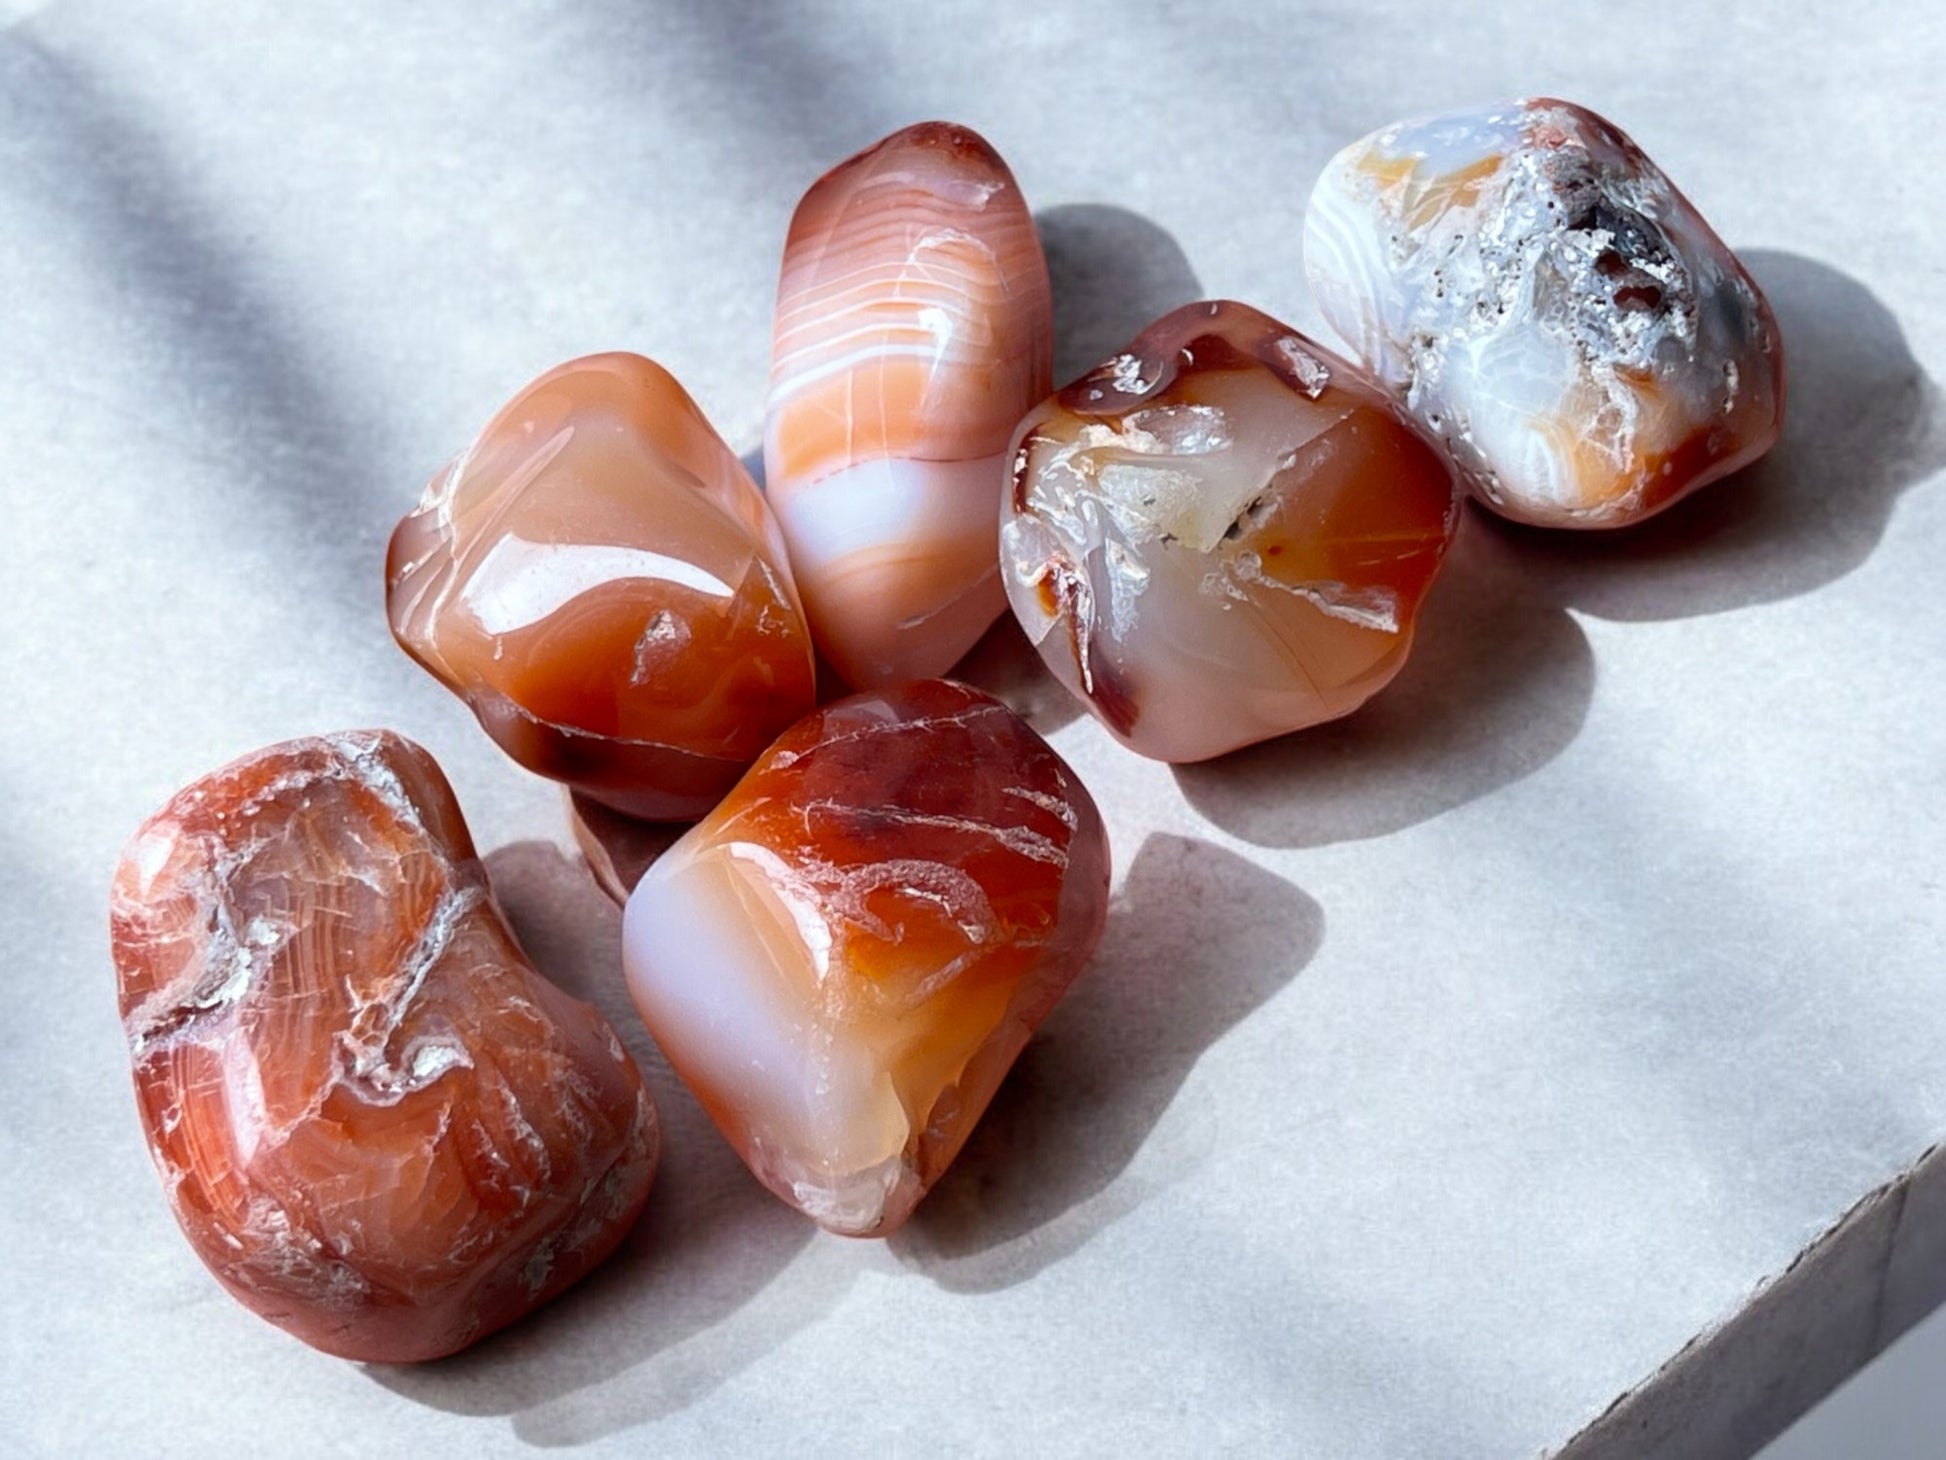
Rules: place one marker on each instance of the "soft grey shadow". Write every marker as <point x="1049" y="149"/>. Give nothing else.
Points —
<point x="711" y="1241"/>
<point x="801" y="88"/>
<point x="1497" y="685"/>
<point x="1008" y="667"/>
<point x="618" y="849"/>
<point x="753" y="462"/>
<point x="1198" y="940"/>
<point x="1114" y="272"/>
<point x="289" y="441"/>
<point x="1862" y="423"/>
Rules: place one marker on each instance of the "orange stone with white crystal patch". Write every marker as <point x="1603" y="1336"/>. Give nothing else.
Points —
<point x="844" y="958"/>
<point x="1222" y="534"/>
<point x="1542" y="296"/>
<point x="914" y="329"/>
<point x="599" y="579"/>
<point x="377" y="1124"/>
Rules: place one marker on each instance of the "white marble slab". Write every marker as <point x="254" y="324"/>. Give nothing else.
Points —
<point x="1448" y="1079"/>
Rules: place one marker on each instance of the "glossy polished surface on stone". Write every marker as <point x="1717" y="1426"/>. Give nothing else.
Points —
<point x="844" y="958"/>
<point x="1550" y="306"/>
<point x="1222" y="534"/>
<point x="378" y="1126"/>
<point x="914" y="329"/>
<point x="599" y="579"/>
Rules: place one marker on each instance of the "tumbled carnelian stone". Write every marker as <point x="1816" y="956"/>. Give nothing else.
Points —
<point x="1547" y="302"/>
<point x="601" y="581"/>
<point x="844" y="958"/>
<point x="1222" y="534"/>
<point x="377" y="1124"/>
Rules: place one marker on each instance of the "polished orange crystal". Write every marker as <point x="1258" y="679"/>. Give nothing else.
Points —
<point x="617" y="849"/>
<point x="599" y="579"/>
<point x="844" y="958"/>
<point x="914" y="328"/>
<point x="377" y="1124"/>
<point x="1222" y="534"/>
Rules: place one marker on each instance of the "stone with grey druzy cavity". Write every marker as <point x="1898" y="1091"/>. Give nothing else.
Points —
<point x="1541" y="296"/>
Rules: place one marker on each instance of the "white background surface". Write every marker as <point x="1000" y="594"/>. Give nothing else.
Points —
<point x="1442" y="1073"/>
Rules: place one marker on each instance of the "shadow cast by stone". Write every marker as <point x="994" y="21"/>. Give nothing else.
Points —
<point x="710" y="1242"/>
<point x="617" y="849"/>
<point x="1498" y="684"/>
<point x="753" y="462"/>
<point x="1500" y="680"/>
<point x="1198" y="940"/>
<point x="1862" y="423"/>
<point x="803" y="89"/>
<point x="1113" y="272"/>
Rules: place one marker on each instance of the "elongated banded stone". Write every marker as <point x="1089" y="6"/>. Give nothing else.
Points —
<point x="914" y="329"/>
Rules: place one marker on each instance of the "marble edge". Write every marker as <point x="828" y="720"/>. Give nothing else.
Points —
<point x="1741" y="1381"/>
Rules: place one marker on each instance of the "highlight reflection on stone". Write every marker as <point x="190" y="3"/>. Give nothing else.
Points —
<point x="599" y="579"/>
<point x="378" y="1126"/>
<point x="844" y="958"/>
<point x="1543" y="299"/>
<point x="1222" y="534"/>
<point x="914" y="329"/>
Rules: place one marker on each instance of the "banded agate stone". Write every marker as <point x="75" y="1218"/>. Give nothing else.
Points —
<point x="601" y="582"/>
<point x="377" y="1124"/>
<point x="914" y="329"/>
<point x="1222" y="534"/>
<point x="1542" y="297"/>
<point x="844" y="958"/>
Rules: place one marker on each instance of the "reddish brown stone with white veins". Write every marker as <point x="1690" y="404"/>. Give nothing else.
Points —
<point x="378" y="1125"/>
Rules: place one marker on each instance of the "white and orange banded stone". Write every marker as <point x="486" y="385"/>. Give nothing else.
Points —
<point x="914" y="329"/>
<point x="844" y="958"/>
<point x="1545" y="301"/>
